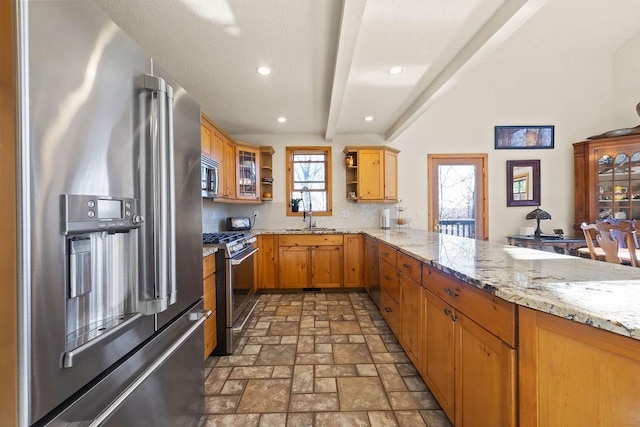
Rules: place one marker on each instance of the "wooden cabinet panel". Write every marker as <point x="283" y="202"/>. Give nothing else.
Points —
<point x="268" y="261"/>
<point x="370" y="174"/>
<point x="228" y="170"/>
<point x="209" y="299"/>
<point x="293" y="270"/>
<point x="326" y="266"/>
<point x="409" y="266"/>
<point x="353" y="260"/>
<point x="247" y="173"/>
<point x="493" y="313"/>
<point x="217" y="147"/>
<point x="205" y="140"/>
<point x="575" y="374"/>
<point x="387" y="253"/>
<point x="371" y="273"/>
<point x="411" y="319"/>
<point x="438" y="354"/>
<point x="310" y="239"/>
<point x="389" y="280"/>
<point x="390" y="311"/>
<point x="485" y="387"/>
<point x="390" y="175"/>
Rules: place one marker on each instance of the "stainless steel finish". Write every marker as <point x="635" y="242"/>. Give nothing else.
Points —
<point x="210" y="177"/>
<point x="85" y="130"/>
<point x="80" y="267"/>
<point x="24" y="213"/>
<point x="103" y="340"/>
<point x="118" y="401"/>
<point x="244" y="257"/>
<point x="149" y="405"/>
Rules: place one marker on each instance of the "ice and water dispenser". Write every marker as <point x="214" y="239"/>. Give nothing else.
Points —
<point x="102" y="261"/>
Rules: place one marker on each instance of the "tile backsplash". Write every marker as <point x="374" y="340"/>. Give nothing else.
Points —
<point x="271" y="215"/>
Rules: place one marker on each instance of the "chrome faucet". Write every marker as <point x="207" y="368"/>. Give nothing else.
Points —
<point x="306" y="212"/>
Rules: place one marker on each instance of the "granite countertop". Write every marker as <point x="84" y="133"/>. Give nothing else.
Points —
<point x="600" y="294"/>
<point x="315" y="230"/>
<point x="208" y="250"/>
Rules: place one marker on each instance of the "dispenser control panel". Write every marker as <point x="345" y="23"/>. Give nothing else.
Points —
<point x="83" y="213"/>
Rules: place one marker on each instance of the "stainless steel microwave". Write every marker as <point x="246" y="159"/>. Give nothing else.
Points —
<point x="210" y="177"/>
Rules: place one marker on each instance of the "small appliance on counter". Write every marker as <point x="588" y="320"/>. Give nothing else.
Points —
<point x="385" y="220"/>
<point x="238" y="223"/>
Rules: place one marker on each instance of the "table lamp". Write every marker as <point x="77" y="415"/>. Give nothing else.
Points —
<point x="538" y="214"/>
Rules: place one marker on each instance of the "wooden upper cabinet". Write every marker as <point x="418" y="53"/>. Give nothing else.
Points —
<point x="391" y="175"/>
<point x="607" y="179"/>
<point x="228" y="171"/>
<point x="205" y="139"/>
<point x="247" y="173"/>
<point x="217" y="146"/>
<point x="372" y="173"/>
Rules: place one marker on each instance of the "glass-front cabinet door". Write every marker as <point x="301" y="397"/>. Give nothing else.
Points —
<point x="618" y="184"/>
<point x="248" y="173"/>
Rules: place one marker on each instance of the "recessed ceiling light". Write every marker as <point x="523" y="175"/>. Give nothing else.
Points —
<point x="368" y="118"/>
<point x="395" y="70"/>
<point x="265" y="71"/>
<point x="282" y="119"/>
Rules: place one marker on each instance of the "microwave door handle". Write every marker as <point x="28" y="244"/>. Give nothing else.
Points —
<point x="216" y="177"/>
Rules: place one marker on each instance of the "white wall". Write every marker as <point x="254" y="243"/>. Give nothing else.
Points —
<point x="553" y="71"/>
<point x="626" y="84"/>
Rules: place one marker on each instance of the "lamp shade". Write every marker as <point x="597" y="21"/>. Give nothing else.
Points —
<point x="538" y="213"/>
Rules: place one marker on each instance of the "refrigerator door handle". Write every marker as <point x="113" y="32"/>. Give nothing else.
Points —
<point x="162" y="203"/>
<point x="119" y="400"/>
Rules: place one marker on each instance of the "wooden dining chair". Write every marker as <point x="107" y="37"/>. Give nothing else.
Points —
<point x="608" y="242"/>
<point x="590" y="232"/>
<point x="610" y="236"/>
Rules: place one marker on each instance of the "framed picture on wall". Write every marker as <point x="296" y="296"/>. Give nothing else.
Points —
<point x="523" y="137"/>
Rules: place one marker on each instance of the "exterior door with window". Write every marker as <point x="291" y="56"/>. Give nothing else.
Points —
<point x="458" y="201"/>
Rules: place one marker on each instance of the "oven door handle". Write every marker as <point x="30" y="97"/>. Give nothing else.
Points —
<point x="235" y="261"/>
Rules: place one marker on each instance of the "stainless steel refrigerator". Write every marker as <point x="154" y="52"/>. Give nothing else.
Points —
<point x="110" y="323"/>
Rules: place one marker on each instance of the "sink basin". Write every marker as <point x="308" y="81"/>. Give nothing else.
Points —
<point x="313" y="230"/>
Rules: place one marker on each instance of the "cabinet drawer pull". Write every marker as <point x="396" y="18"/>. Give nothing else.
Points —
<point x="450" y="292"/>
<point x="447" y="311"/>
<point x="387" y="278"/>
<point x="385" y="253"/>
<point x="387" y="309"/>
<point x="406" y="266"/>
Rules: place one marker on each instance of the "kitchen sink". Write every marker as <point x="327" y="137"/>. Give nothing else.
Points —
<point x="314" y="229"/>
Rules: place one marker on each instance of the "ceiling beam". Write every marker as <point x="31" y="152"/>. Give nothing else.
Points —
<point x="507" y="19"/>
<point x="352" y="13"/>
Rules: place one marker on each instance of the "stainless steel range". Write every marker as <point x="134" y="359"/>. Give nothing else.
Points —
<point x="235" y="284"/>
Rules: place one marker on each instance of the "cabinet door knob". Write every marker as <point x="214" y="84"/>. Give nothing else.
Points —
<point x="387" y="309"/>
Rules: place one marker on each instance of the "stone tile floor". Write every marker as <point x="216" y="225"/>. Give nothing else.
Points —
<point x="317" y="359"/>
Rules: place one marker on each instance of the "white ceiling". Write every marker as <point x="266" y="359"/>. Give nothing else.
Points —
<point x="329" y="57"/>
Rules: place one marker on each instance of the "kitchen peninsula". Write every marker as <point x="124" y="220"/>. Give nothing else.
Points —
<point x="554" y="332"/>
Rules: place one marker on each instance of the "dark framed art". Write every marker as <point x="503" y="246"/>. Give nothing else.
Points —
<point x="523" y="182"/>
<point x="523" y="137"/>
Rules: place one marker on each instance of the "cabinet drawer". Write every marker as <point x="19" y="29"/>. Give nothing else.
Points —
<point x="389" y="280"/>
<point x="310" y="239"/>
<point x="409" y="266"/>
<point x="387" y="253"/>
<point x="208" y="265"/>
<point x="492" y="313"/>
<point x="390" y="310"/>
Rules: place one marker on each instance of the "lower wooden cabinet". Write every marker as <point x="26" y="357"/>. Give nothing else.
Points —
<point x="268" y="261"/>
<point x="573" y="374"/>
<point x="353" y="260"/>
<point x="209" y="297"/>
<point x="390" y="311"/>
<point x="309" y="260"/>
<point x="411" y="318"/>
<point x="470" y="371"/>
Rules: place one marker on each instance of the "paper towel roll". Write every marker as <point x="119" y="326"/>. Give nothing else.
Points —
<point x="385" y="220"/>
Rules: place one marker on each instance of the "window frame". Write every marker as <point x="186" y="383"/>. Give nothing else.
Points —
<point x="290" y="151"/>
